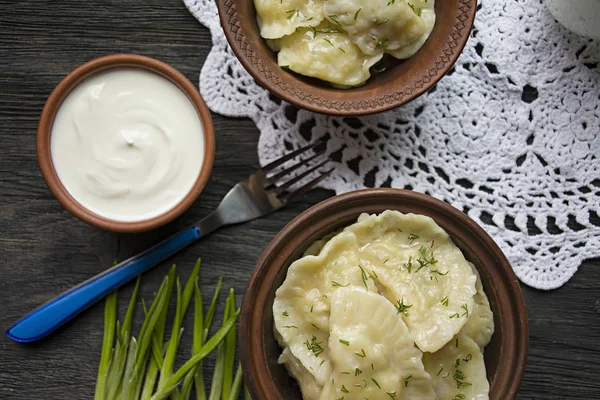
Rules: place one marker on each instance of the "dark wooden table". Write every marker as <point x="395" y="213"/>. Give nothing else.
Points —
<point x="44" y="250"/>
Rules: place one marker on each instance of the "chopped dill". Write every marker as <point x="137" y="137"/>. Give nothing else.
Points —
<point x="405" y="380"/>
<point x="345" y="342"/>
<point x="356" y="14"/>
<point x="362" y="353"/>
<point x="376" y="383"/>
<point x="402" y="308"/>
<point x="314" y="346"/>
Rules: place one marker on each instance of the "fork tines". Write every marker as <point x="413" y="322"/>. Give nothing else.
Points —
<point x="298" y="173"/>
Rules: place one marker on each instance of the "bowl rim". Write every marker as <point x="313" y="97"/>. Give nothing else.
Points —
<point x="244" y="51"/>
<point x="513" y="343"/>
<point x="60" y="93"/>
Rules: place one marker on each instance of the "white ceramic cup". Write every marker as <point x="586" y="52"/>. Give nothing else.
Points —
<point x="579" y="16"/>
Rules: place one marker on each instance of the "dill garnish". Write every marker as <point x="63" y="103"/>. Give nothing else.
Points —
<point x="361" y="354"/>
<point x="405" y="380"/>
<point x="424" y="259"/>
<point x="364" y="276"/>
<point x="343" y="389"/>
<point x="437" y="271"/>
<point x="391" y="394"/>
<point x="311" y="307"/>
<point x="391" y="2"/>
<point x="459" y="378"/>
<point x="383" y="22"/>
<point x="285" y="314"/>
<point x="314" y="346"/>
<point x="455" y="315"/>
<point x="334" y="19"/>
<point x="440" y="371"/>
<point x="468" y="358"/>
<point x="361" y="385"/>
<point x="342" y="50"/>
<point x="315" y="326"/>
<point x="376" y="383"/>
<point x="466" y="308"/>
<point x="290" y="326"/>
<point x="291" y="13"/>
<point x="402" y="308"/>
<point x="408" y="265"/>
<point x="328" y="41"/>
<point x="357" y="372"/>
<point x="416" y="10"/>
<point x="345" y="342"/>
<point x="335" y="284"/>
<point x="445" y="301"/>
<point x="411" y="237"/>
<point x="456" y="342"/>
<point x="356" y="14"/>
<point x="345" y="373"/>
<point x="459" y="396"/>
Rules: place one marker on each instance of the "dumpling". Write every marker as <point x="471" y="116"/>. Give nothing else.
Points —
<point x="458" y="370"/>
<point x="480" y="325"/>
<point x="311" y="390"/>
<point x="416" y="266"/>
<point x="279" y="18"/>
<point x="376" y="26"/>
<point x="301" y="309"/>
<point x="428" y="16"/>
<point x="371" y="351"/>
<point x="325" y="52"/>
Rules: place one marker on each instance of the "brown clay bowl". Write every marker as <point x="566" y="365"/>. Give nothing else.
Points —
<point x="60" y="93"/>
<point x="398" y="85"/>
<point x="505" y="356"/>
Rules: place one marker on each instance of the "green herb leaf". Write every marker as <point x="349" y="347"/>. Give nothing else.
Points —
<point x="361" y="354"/>
<point x="315" y="346"/>
<point x="336" y="284"/>
<point x="402" y="308"/>
<point x="445" y="301"/>
<point x="356" y="14"/>
<point x="405" y="380"/>
<point x="376" y="383"/>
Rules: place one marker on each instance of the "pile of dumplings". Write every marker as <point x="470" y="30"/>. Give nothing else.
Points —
<point x="338" y="41"/>
<point x="387" y="308"/>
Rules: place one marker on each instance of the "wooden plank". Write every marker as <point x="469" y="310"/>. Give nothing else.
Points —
<point x="44" y="250"/>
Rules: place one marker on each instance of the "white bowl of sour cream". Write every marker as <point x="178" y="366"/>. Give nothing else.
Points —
<point x="125" y="143"/>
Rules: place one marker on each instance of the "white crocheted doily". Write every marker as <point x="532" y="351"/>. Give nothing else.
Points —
<point x="511" y="135"/>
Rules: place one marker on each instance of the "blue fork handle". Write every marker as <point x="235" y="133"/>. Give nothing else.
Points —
<point x="50" y="316"/>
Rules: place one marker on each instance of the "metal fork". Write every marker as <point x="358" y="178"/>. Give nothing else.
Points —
<point x="258" y="195"/>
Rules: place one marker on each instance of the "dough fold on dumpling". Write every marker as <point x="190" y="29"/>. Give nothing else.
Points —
<point x="480" y="325"/>
<point x="371" y="351"/>
<point x="279" y="18"/>
<point x="417" y="266"/>
<point x="458" y="369"/>
<point x="325" y="52"/>
<point x="377" y="26"/>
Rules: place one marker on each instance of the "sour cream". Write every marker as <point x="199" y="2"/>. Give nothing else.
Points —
<point x="127" y="144"/>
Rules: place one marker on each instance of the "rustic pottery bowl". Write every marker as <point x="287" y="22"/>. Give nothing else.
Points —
<point x="506" y="354"/>
<point x="60" y="93"/>
<point x="398" y="85"/>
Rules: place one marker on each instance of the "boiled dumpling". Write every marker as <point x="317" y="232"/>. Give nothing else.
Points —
<point x="279" y="18"/>
<point x="371" y="351"/>
<point x="311" y="390"/>
<point x="480" y="326"/>
<point x="301" y="308"/>
<point x="428" y="16"/>
<point x="416" y="265"/>
<point x="326" y="53"/>
<point x="458" y="370"/>
<point x="379" y="25"/>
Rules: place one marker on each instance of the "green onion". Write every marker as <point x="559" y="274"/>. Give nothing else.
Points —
<point x="110" y="318"/>
<point x="133" y="368"/>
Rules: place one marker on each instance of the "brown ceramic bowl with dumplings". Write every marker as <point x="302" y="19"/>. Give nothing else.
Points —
<point x="506" y="354"/>
<point x="400" y="83"/>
